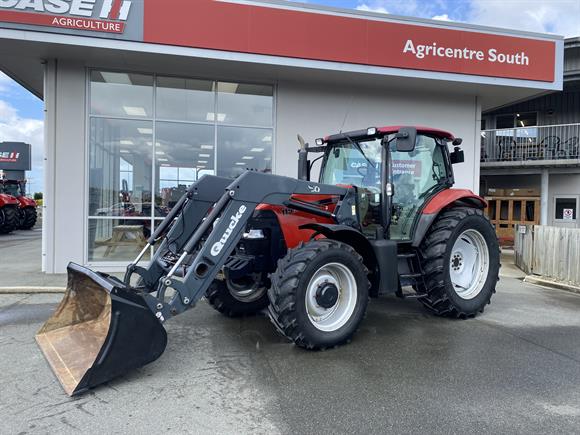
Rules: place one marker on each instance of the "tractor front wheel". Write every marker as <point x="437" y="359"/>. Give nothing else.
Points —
<point x="460" y="261"/>
<point x="319" y="294"/>
<point x="238" y="298"/>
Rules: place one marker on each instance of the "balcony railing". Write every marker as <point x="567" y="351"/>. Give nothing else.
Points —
<point x="529" y="144"/>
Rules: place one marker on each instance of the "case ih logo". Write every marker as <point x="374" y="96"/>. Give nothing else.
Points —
<point x="91" y="15"/>
<point x="9" y="157"/>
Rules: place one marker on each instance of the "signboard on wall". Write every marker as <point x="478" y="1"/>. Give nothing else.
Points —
<point x="568" y="214"/>
<point x="293" y="32"/>
<point x="15" y="156"/>
<point x="106" y="18"/>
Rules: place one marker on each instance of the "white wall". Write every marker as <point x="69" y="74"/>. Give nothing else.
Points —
<point x="562" y="184"/>
<point x="316" y="110"/>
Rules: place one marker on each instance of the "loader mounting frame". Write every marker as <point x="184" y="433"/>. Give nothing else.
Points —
<point x="202" y="238"/>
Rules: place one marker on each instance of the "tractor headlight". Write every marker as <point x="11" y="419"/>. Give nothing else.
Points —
<point x="371" y="131"/>
<point x="254" y="234"/>
<point x="319" y="141"/>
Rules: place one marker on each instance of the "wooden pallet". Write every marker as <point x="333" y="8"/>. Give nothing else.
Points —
<point x="505" y="212"/>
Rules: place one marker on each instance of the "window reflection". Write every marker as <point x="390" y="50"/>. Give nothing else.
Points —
<point x="146" y="147"/>
<point x="244" y="104"/>
<point x="184" y="99"/>
<point x="117" y="239"/>
<point x="120" y="167"/>
<point x="121" y="94"/>
<point x="242" y="148"/>
<point x="183" y="152"/>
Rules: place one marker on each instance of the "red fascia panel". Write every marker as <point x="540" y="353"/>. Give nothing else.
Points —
<point x="446" y="197"/>
<point x="317" y="36"/>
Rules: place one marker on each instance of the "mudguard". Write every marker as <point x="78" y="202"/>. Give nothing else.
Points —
<point x="441" y="200"/>
<point x="26" y="202"/>
<point x="379" y="256"/>
<point x="7" y="200"/>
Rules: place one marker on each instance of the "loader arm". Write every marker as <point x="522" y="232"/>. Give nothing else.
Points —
<point x="216" y="235"/>
<point x="177" y="227"/>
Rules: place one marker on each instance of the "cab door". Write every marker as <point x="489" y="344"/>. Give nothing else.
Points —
<point x="416" y="176"/>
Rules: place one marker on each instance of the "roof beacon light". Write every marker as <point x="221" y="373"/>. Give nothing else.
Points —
<point x="371" y="131"/>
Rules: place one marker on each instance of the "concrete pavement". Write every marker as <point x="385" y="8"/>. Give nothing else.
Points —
<point x="515" y="369"/>
<point x="21" y="261"/>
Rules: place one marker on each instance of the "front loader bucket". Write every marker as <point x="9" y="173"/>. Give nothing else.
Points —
<point x="100" y="330"/>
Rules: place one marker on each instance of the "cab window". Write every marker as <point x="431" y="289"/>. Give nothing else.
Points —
<point x="415" y="175"/>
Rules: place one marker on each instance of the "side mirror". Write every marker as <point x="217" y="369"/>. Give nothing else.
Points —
<point x="457" y="156"/>
<point x="406" y="137"/>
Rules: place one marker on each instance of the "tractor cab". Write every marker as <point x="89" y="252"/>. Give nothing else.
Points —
<point x="13" y="188"/>
<point x="396" y="171"/>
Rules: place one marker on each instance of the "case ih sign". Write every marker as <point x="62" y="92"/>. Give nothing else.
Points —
<point x="106" y="16"/>
<point x="293" y="32"/>
<point x="15" y="156"/>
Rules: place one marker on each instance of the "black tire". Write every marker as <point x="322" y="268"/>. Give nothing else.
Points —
<point x="287" y="294"/>
<point x="221" y="298"/>
<point x="29" y="219"/>
<point x="8" y="219"/>
<point x="441" y="297"/>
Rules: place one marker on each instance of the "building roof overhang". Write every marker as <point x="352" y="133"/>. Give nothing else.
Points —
<point x="23" y="51"/>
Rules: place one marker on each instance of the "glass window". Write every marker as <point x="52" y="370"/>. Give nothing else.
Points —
<point x="117" y="239"/>
<point x="183" y="153"/>
<point x="185" y="99"/>
<point x="566" y="209"/>
<point x="241" y="148"/>
<point x="120" y="167"/>
<point x="347" y="165"/>
<point x="528" y="119"/>
<point x="244" y="104"/>
<point x="121" y="94"/>
<point x="504" y="121"/>
<point x="415" y="175"/>
<point x="150" y="137"/>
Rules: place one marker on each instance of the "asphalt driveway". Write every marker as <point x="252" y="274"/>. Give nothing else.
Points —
<point x="515" y="369"/>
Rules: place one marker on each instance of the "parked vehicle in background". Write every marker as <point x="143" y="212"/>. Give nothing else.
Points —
<point x="8" y="213"/>
<point x="26" y="214"/>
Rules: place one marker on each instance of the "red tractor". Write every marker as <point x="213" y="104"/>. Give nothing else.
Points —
<point x="26" y="206"/>
<point x="382" y="219"/>
<point x="8" y="213"/>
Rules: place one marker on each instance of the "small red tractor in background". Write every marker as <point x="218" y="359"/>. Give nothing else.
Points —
<point x="26" y="213"/>
<point x="8" y="213"/>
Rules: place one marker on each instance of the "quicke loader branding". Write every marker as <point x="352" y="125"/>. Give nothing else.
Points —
<point x="234" y="220"/>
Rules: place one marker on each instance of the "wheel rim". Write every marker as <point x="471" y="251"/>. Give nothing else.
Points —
<point x="469" y="264"/>
<point x="247" y="289"/>
<point x="336" y="316"/>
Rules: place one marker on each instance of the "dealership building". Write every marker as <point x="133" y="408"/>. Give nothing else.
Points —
<point x="143" y="97"/>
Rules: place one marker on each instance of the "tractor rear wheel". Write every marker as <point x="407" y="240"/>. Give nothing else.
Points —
<point x="460" y="260"/>
<point x="319" y="294"/>
<point x="29" y="218"/>
<point x="238" y="298"/>
<point x="8" y="219"/>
